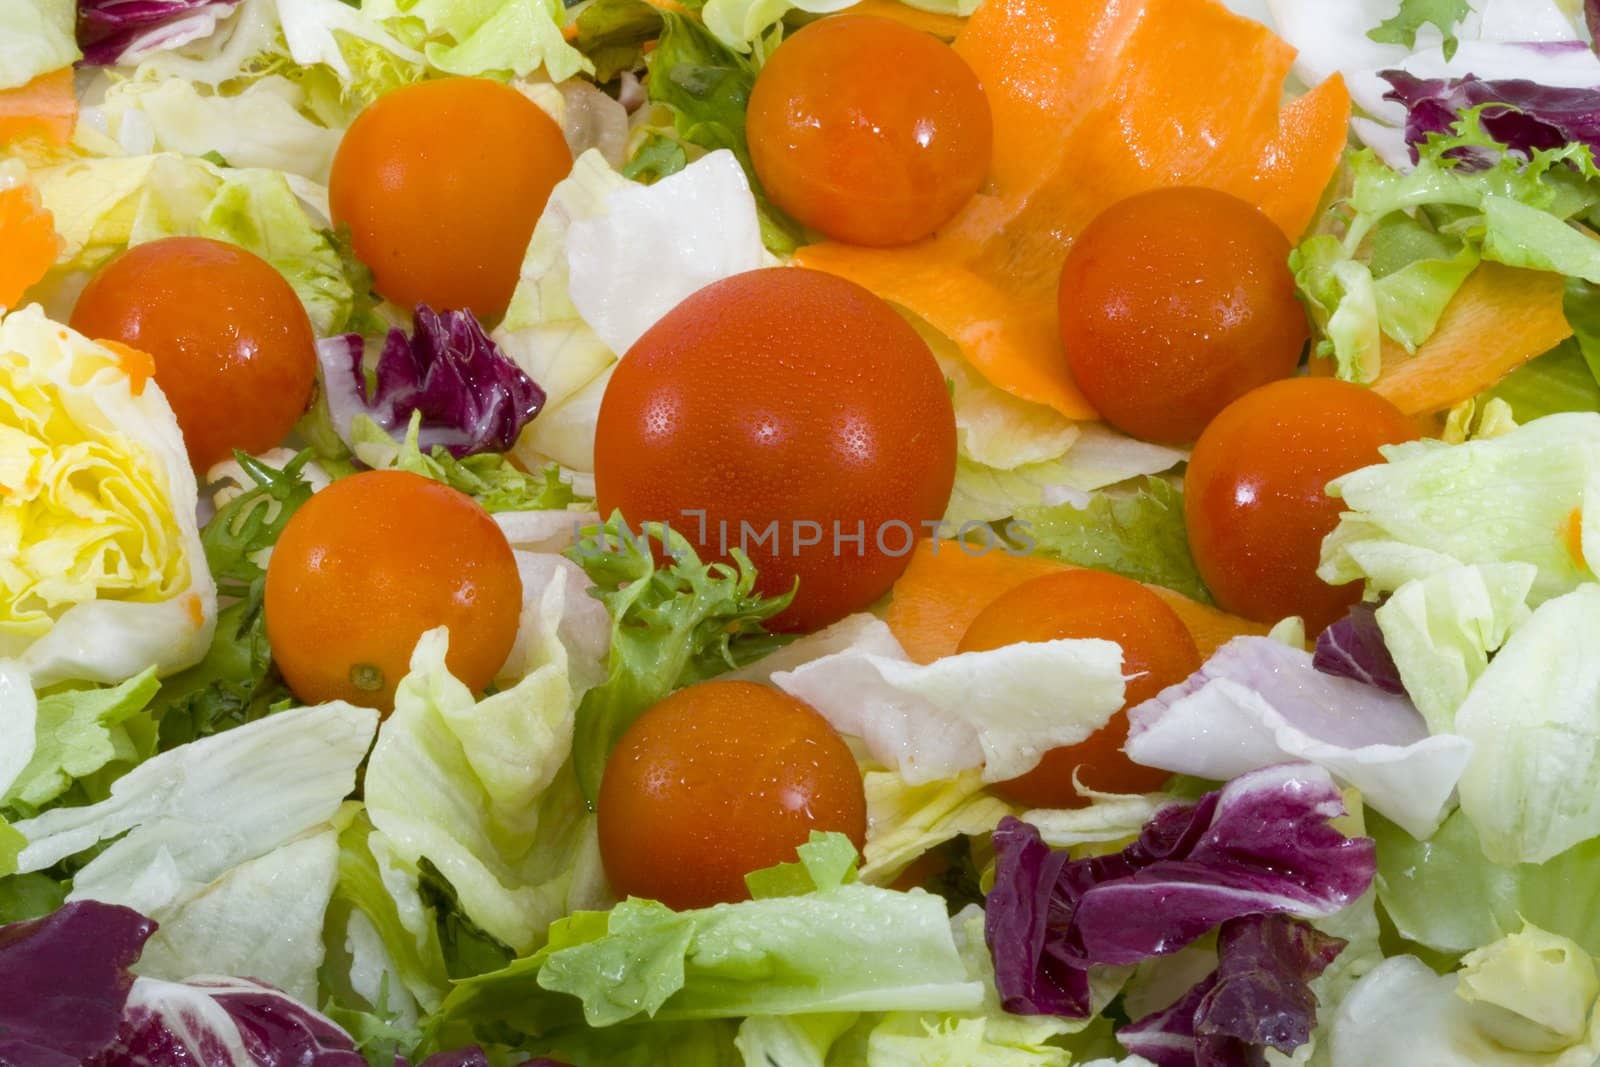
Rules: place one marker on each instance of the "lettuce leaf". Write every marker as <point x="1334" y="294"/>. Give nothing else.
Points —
<point x="79" y="732"/>
<point x="840" y="946"/>
<point x="1518" y="498"/>
<point x="103" y="574"/>
<point x="488" y="477"/>
<point x="1532" y="989"/>
<point x="672" y="625"/>
<point x="1138" y="533"/>
<point x="36" y="37"/>
<point x="740" y="24"/>
<point x="483" y="790"/>
<point x="1402" y="27"/>
<point x="999" y="710"/>
<point x="510" y="39"/>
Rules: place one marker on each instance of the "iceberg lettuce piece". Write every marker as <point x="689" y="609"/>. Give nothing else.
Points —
<point x="78" y="732"/>
<point x="1533" y="990"/>
<point x="1000" y="710"/>
<point x="36" y="37"/>
<point x="102" y="575"/>
<point x="485" y="791"/>
<point x="1532" y="787"/>
<point x="905" y="821"/>
<point x="1522" y="497"/>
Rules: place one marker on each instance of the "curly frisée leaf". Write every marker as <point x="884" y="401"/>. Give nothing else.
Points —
<point x="672" y="625"/>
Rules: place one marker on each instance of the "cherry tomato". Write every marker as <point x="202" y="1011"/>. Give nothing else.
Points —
<point x="441" y="183"/>
<point x="718" y="780"/>
<point x="1156" y="647"/>
<point x="1253" y="495"/>
<point x="791" y="413"/>
<point x="370" y="564"/>
<point x="233" y="348"/>
<point x="1174" y="303"/>
<point x="868" y="130"/>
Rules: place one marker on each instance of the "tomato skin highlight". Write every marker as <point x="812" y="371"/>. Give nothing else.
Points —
<point x="1174" y="303"/>
<point x="1254" y="500"/>
<point x="718" y="780"/>
<point x="233" y="348"/>
<point x="370" y="564"/>
<point x="773" y="400"/>
<point x="868" y="130"/>
<point x="1079" y="604"/>
<point x="441" y="184"/>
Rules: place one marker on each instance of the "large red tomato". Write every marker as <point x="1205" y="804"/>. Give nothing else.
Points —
<point x="790" y="413"/>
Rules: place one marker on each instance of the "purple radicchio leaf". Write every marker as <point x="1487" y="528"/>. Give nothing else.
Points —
<point x="1260" y="845"/>
<point x="1531" y="117"/>
<point x="64" y="980"/>
<point x="126" y="31"/>
<point x="236" y="1022"/>
<point x="471" y="397"/>
<point x="1354" y="648"/>
<point x="1258" y="997"/>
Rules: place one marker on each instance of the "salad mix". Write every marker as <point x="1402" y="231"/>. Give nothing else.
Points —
<point x="799" y="533"/>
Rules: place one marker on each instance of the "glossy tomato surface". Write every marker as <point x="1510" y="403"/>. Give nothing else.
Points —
<point x="1079" y="604"/>
<point x="370" y="564"/>
<point x="233" y="349"/>
<point x="868" y="130"/>
<point x="441" y="184"/>
<point x="718" y="780"/>
<point x="1174" y="303"/>
<point x="1254" y="500"/>
<point x="794" y="414"/>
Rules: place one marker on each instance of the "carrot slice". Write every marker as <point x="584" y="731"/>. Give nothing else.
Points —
<point x="28" y="242"/>
<point x="945" y="588"/>
<point x="45" y="107"/>
<point x="1093" y="102"/>
<point x="946" y="26"/>
<point x="1500" y="319"/>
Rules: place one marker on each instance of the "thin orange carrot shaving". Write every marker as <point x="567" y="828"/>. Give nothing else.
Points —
<point x="137" y="365"/>
<point x="945" y="588"/>
<point x="946" y="26"/>
<point x="45" y="107"/>
<point x="28" y="242"/>
<point x="1500" y="319"/>
<point x="1573" y="533"/>
<point x="1094" y="102"/>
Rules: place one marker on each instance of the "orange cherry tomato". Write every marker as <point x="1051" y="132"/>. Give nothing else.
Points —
<point x="1079" y="604"/>
<point x="370" y="564"/>
<point x="1253" y="496"/>
<point x="790" y="413"/>
<point x="1174" y="303"/>
<point x="868" y="130"/>
<point x="233" y="348"/>
<point x="718" y="780"/>
<point x="441" y="183"/>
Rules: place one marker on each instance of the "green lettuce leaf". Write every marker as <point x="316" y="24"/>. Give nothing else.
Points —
<point x="1442" y="629"/>
<point x="1446" y="896"/>
<point x="1532" y="990"/>
<point x="1137" y="533"/>
<point x="1398" y="246"/>
<point x="671" y="625"/>
<point x="102" y="206"/>
<point x="844" y="946"/>
<point x="80" y="732"/>
<point x="25" y="896"/>
<point x="483" y="790"/>
<point x="1532" y="787"/>
<point x="613" y="33"/>
<point x="1560" y="380"/>
<point x="488" y="477"/>
<point x="510" y="39"/>
<point x="904" y="822"/>
<point x="1402" y="27"/>
<point x="740" y="24"/>
<point x="1521" y="497"/>
<point x="36" y="37"/>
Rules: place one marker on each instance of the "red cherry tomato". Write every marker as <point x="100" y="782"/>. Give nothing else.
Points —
<point x="233" y="349"/>
<point x="369" y="565"/>
<point x="1253" y="496"/>
<point x="718" y="780"/>
<point x="1174" y="303"/>
<point x="1156" y="647"/>
<point x="790" y="413"/>
<point x="868" y="130"/>
<point x="441" y="183"/>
